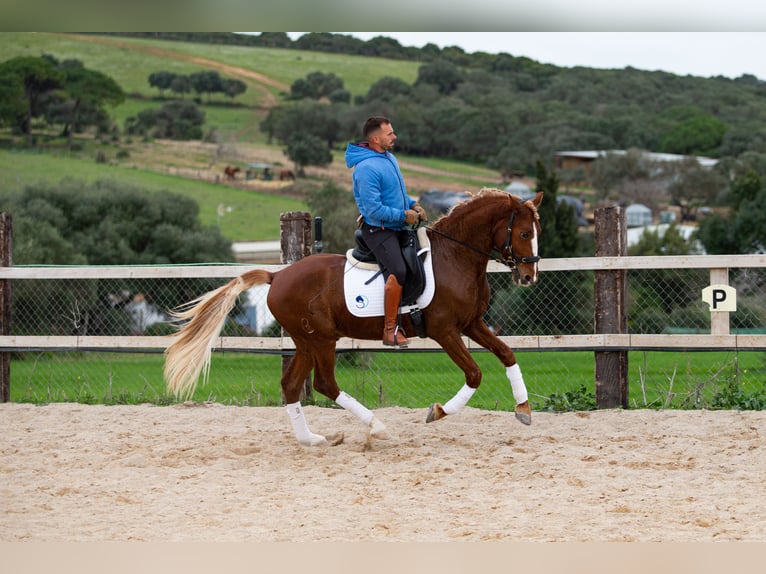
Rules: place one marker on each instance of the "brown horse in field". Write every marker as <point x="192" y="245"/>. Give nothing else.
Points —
<point x="307" y="299"/>
<point x="231" y="172"/>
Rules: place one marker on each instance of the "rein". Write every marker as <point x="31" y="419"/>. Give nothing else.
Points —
<point x="510" y="262"/>
<point x="471" y="247"/>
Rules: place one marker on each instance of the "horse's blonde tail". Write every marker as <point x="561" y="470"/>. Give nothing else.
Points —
<point x="190" y="351"/>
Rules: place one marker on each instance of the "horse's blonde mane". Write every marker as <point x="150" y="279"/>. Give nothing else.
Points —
<point x="464" y="206"/>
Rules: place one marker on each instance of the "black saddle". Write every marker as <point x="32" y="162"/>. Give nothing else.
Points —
<point x="415" y="282"/>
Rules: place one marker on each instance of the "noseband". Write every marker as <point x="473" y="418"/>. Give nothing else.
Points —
<point x="499" y="255"/>
<point x="512" y="261"/>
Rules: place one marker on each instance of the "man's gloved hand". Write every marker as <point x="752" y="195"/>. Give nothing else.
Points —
<point x="420" y="211"/>
<point x="411" y="217"/>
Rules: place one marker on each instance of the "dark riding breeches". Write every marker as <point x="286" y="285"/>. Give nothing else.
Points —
<point x="384" y="243"/>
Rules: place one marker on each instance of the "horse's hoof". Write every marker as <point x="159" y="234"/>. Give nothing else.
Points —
<point x="378" y="430"/>
<point x="524" y="413"/>
<point x="335" y="439"/>
<point x="315" y="440"/>
<point x="435" y="412"/>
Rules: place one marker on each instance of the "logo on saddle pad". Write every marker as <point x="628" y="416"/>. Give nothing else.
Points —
<point x="363" y="290"/>
<point x="361" y="301"/>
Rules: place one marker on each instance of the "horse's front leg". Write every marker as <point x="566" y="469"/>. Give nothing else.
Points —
<point x="481" y="333"/>
<point x="454" y="347"/>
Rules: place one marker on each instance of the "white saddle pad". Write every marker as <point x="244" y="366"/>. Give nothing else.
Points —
<point x="367" y="300"/>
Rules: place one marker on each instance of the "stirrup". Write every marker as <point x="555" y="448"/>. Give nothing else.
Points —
<point x="395" y="345"/>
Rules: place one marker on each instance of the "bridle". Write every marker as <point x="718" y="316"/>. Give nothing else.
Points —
<point x="512" y="260"/>
<point x="504" y="255"/>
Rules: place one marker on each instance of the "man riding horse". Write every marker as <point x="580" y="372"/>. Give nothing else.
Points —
<point x="386" y="211"/>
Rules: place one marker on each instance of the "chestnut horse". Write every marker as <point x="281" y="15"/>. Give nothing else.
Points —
<point x="231" y="172"/>
<point x="307" y="300"/>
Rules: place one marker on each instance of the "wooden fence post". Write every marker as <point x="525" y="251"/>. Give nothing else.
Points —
<point x="6" y="245"/>
<point x="610" y="315"/>
<point x="295" y="244"/>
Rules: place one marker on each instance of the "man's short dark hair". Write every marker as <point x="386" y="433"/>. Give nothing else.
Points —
<point x="373" y="123"/>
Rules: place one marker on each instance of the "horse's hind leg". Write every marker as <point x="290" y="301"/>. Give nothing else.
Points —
<point x="325" y="383"/>
<point x="292" y="383"/>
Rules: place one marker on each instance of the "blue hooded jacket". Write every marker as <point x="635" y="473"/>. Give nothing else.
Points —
<point x="379" y="188"/>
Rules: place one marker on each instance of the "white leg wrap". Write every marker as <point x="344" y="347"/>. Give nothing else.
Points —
<point x="517" y="384"/>
<point x="355" y="407"/>
<point x="301" y="428"/>
<point x="378" y="430"/>
<point x="456" y="403"/>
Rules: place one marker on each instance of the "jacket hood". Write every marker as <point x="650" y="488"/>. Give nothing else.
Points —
<point x="358" y="152"/>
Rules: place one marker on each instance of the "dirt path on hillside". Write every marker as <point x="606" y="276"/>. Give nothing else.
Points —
<point x="73" y="472"/>
<point x="253" y="79"/>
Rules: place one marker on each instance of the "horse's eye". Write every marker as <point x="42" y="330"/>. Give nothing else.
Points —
<point x="525" y="234"/>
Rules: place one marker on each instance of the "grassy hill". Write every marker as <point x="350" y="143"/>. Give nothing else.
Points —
<point x="251" y="208"/>
<point x="267" y="71"/>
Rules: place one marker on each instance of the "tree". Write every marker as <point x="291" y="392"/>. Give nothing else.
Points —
<point x="307" y="149"/>
<point x="181" y="85"/>
<point x="559" y="238"/>
<point x="743" y="229"/>
<point x="386" y="89"/>
<point x="339" y="96"/>
<point x="384" y="47"/>
<point x="698" y="135"/>
<point x="233" y="88"/>
<point x="88" y="90"/>
<point x="177" y="119"/>
<point x="104" y="223"/>
<point x="714" y="233"/>
<point x="745" y="188"/>
<point x="305" y="117"/>
<point x="275" y="40"/>
<point x="30" y="79"/>
<point x="161" y="80"/>
<point x="693" y="186"/>
<point x="207" y="82"/>
<point x="63" y="92"/>
<point x="315" y="86"/>
<point x="110" y="223"/>
<point x="442" y="73"/>
<point x="609" y="171"/>
<point x="11" y="100"/>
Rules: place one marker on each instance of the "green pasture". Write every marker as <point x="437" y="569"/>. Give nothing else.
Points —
<point x="557" y="381"/>
<point x="357" y="72"/>
<point x="249" y="215"/>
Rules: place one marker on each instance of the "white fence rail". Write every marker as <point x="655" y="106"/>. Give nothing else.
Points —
<point x="720" y="336"/>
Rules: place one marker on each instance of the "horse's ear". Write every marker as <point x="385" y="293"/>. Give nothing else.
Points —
<point x="538" y="199"/>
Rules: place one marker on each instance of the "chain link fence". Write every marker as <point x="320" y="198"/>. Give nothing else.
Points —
<point x="122" y="307"/>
